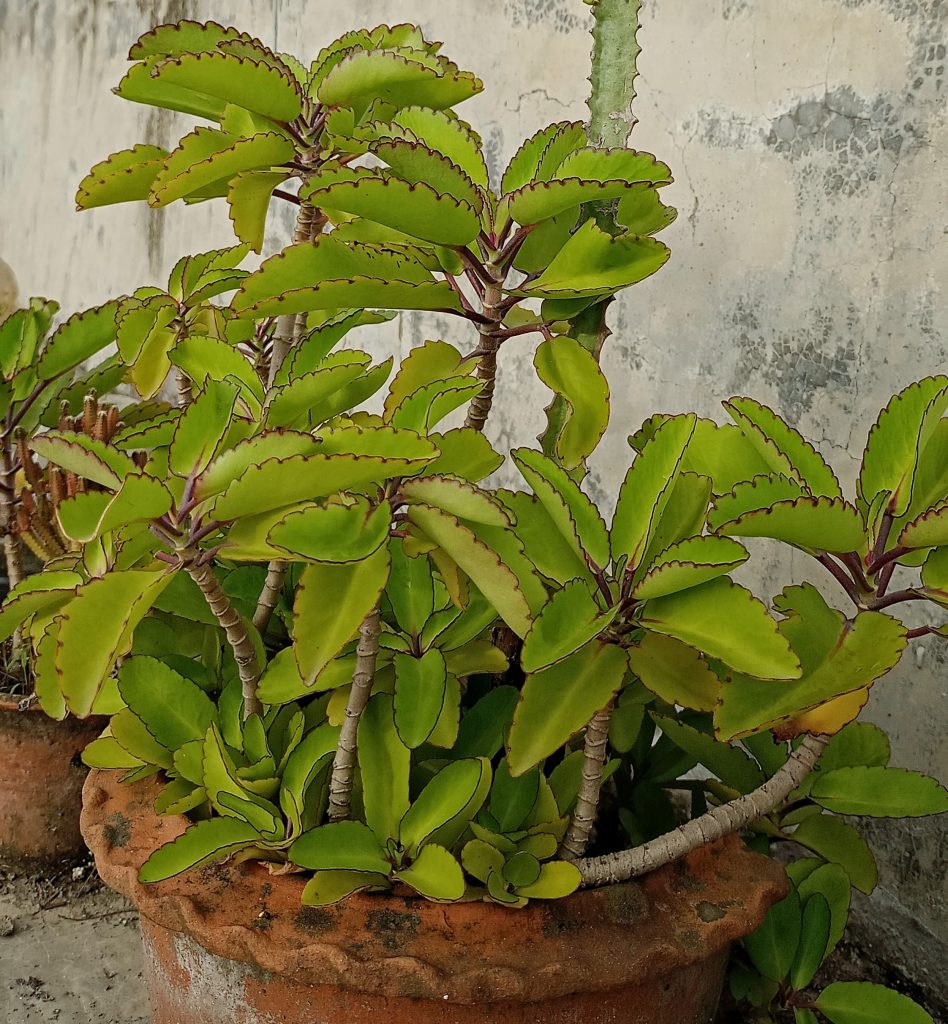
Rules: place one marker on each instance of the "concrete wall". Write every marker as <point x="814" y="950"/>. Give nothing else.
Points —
<point x="808" y="139"/>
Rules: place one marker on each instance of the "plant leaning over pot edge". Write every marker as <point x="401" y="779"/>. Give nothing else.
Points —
<point x="382" y="737"/>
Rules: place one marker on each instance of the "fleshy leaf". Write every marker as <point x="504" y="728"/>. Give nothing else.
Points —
<point x="558" y="701"/>
<point x="726" y="621"/>
<point x="675" y="672"/>
<point x="569" y="620"/>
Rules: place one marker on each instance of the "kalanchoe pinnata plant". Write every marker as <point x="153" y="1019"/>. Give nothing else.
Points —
<point x="347" y="655"/>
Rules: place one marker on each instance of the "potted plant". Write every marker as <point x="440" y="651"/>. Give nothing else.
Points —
<point x="384" y="722"/>
<point x="41" y="387"/>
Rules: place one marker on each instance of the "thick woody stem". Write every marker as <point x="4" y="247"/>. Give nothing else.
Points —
<point x="721" y="821"/>
<point x="614" y="70"/>
<point x="12" y="550"/>
<point x="489" y="342"/>
<point x="343" y="767"/>
<point x="236" y="632"/>
<point x="270" y="595"/>
<point x="594" y="758"/>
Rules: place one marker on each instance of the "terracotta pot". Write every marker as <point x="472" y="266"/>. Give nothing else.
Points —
<point x="231" y="944"/>
<point x="41" y="780"/>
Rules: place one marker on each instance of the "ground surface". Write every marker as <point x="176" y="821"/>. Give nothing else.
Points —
<point x="69" y="953"/>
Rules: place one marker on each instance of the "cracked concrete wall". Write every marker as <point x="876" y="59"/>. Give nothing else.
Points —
<point x="807" y="139"/>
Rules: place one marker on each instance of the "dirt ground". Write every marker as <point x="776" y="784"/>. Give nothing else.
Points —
<point x="69" y="952"/>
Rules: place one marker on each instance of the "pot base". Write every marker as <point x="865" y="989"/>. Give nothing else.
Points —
<point x="188" y="985"/>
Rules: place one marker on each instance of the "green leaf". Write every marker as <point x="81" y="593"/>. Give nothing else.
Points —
<point x="490" y="574"/>
<point x="420" y="684"/>
<point x="315" y="347"/>
<point x="542" y="153"/>
<point x="559" y="701"/>
<point x="675" y="672"/>
<point x="762" y="492"/>
<point x="184" y="36"/>
<point x="512" y="798"/>
<point x="594" y="263"/>
<point x="340" y="846"/>
<point x="248" y="198"/>
<point x="335" y="532"/>
<point x="465" y="453"/>
<point x="403" y="80"/>
<point x="207" y="358"/>
<point x="173" y="709"/>
<point x="647" y="488"/>
<point x="641" y="212"/>
<point x="95" y="628"/>
<point x="574" y="515"/>
<point x="77" y="339"/>
<point x="41" y="594"/>
<point x="543" y="542"/>
<point x="838" y="657"/>
<point x="568" y="621"/>
<point x="383" y="765"/>
<point x="256" y="86"/>
<point x="416" y="209"/>
<point x="814" y="524"/>
<point x="410" y="589"/>
<point x="832" y="883"/>
<point x="328" y="887"/>
<point x="539" y="201"/>
<point x="814" y="938"/>
<point x="456" y="497"/>
<point x="879" y="792"/>
<point x="314" y="753"/>
<point x="292" y="403"/>
<point x="557" y="879"/>
<point x="930" y="529"/>
<point x="773" y="947"/>
<point x="427" y="406"/>
<point x="282" y="482"/>
<point x="132" y="734"/>
<point x="689" y="563"/>
<point x="322" y="628"/>
<point x="726" y="621"/>
<point x="897" y="440"/>
<point x="201" y="429"/>
<point x="862" y="1002"/>
<point x="730" y="764"/>
<point x="841" y="844"/>
<point x="484" y="726"/>
<point x="859" y="743"/>
<point x="195" y="165"/>
<point x="330" y="274"/>
<point x="86" y="457"/>
<point x="447" y="134"/>
<point x="233" y="463"/>
<point x="780" y="445"/>
<point x="434" y="874"/>
<point x="572" y="372"/>
<point x="447" y="804"/>
<point x="424" y="364"/>
<point x="209" y="840"/>
<point x="106" y="752"/>
<point x="145" y="334"/>
<point x="123" y="177"/>
<point x="480" y="859"/>
<point x="139" y="86"/>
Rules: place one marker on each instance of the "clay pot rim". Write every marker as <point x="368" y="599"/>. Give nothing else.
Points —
<point x="592" y="941"/>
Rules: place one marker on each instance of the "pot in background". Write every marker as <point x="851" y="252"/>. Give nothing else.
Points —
<point x="41" y="777"/>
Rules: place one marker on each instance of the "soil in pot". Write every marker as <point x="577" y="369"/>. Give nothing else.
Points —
<point x="41" y="777"/>
<point x="231" y="943"/>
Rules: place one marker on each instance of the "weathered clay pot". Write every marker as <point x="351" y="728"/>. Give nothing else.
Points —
<point x="41" y="780"/>
<point x="229" y="944"/>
